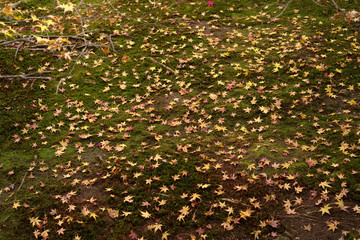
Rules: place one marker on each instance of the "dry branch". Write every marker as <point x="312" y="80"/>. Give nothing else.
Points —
<point x="27" y="76"/>
<point x="22" y="182"/>
<point x="72" y="69"/>
<point x="168" y="68"/>
<point x="286" y="5"/>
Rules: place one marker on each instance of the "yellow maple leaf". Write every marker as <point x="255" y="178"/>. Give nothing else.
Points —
<point x="67" y="7"/>
<point x="324" y="184"/>
<point x="8" y="10"/>
<point x="34" y="221"/>
<point x="34" y="18"/>
<point x="145" y="214"/>
<point x="16" y="205"/>
<point x="165" y="236"/>
<point x="247" y="213"/>
<point x="332" y="225"/>
<point x="325" y="209"/>
<point x="93" y="215"/>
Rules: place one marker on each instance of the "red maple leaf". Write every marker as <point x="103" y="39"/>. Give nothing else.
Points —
<point x="210" y="3"/>
<point x="133" y="235"/>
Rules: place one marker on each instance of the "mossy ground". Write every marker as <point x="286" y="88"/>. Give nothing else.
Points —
<point x="189" y="122"/>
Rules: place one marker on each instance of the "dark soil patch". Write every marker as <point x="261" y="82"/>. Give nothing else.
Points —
<point x="308" y="223"/>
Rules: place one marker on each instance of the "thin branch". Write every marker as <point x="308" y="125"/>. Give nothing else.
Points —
<point x="314" y="1"/>
<point x="27" y="76"/>
<point x="5" y="219"/>
<point x="168" y="68"/>
<point x="287" y="4"/>
<point x="17" y="49"/>
<point x="337" y="6"/>
<point x="122" y="14"/>
<point x="111" y="42"/>
<point x="81" y="21"/>
<point x="22" y="182"/>
<point x="17" y="3"/>
<point x="29" y="19"/>
<point x="58" y="85"/>
<point x="72" y="69"/>
<point x="35" y="73"/>
<point x="78" y="5"/>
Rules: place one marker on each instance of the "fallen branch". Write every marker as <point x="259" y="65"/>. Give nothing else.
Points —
<point x="111" y="43"/>
<point x="4" y="220"/>
<point x="314" y="1"/>
<point x="22" y="182"/>
<point x="286" y="5"/>
<point x="81" y="21"/>
<point x="337" y="6"/>
<point x="17" y="3"/>
<point x="29" y="19"/>
<point x="27" y="76"/>
<point x="72" y="69"/>
<point x="168" y="68"/>
<point x="17" y="49"/>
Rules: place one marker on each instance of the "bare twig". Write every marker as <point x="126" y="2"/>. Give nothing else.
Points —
<point x="314" y="1"/>
<point x="27" y="76"/>
<point x="72" y="69"/>
<point x="58" y="85"/>
<point x="17" y="3"/>
<point x="286" y="5"/>
<point x="29" y="19"/>
<point x="81" y="22"/>
<point x="5" y="219"/>
<point x="122" y="14"/>
<point x="112" y="44"/>
<point x="17" y="49"/>
<point x="22" y="182"/>
<point x="168" y="68"/>
<point x="337" y="6"/>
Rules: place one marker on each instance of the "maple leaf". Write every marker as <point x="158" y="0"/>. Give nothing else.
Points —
<point x="256" y="234"/>
<point x="155" y="227"/>
<point x="60" y="231"/>
<point x="34" y="18"/>
<point x="93" y="215"/>
<point x="35" y="221"/>
<point x="133" y="235"/>
<point x="184" y="210"/>
<point x="125" y="214"/>
<point x="332" y="225"/>
<point x="85" y="211"/>
<point x="8" y="10"/>
<point x="307" y="227"/>
<point x="245" y="214"/>
<point x="325" y="209"/>
<point x="67" y="7"/>
<point x="113" y="213"/>
<point x="165" y="235"/>
<point x="273" y="223"/>
<point x="145" y="214"/>
<point x="357" y="209"/>
<point x="125" y="58"/>
<point x="129" y="199"/>
<point x="195" y="196"/>
<point x="77" y="237"/>
<point x="324" y="184"/>
<point x="210" y="3"/>
<point x="16" y="205"/>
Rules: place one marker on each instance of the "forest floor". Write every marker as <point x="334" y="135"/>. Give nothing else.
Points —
<point x="179" y="120"/>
